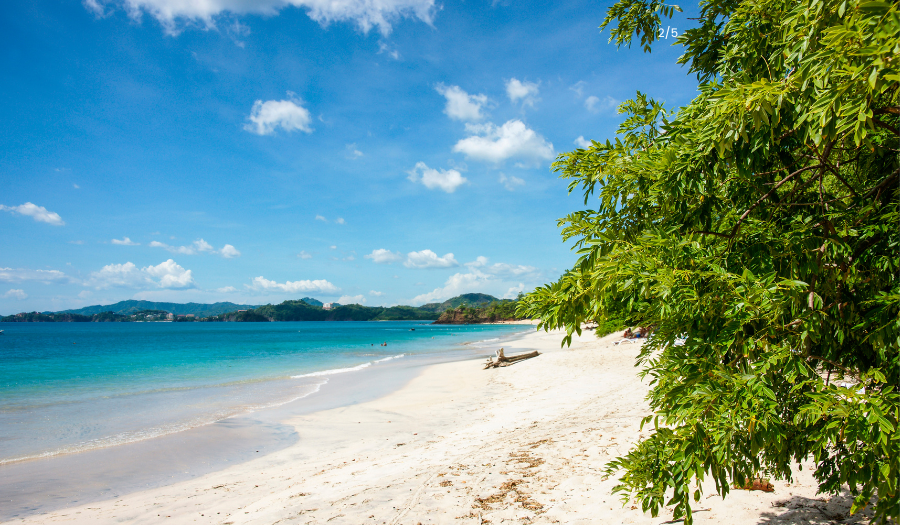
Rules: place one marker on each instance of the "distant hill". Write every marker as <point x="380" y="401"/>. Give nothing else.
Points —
<point x="302" y="311"/>
<point x="132" y="306"/>
<point x="468" y="299"/>
<point x="306" y="309"/>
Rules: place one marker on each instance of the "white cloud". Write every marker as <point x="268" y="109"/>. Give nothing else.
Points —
<point x="382" y="256"/>
<point x="512" y="139"/>
<point x="319" y="285"/>
<point x="429" y="259"/>
<point x="511" y="182"/>
<point x="287" y="114"/>
<point x="340" y="220"/>
<point x="420" y="259"/>
<point x="170" y="275"/>
<point x="384" y="48"/>
<point x="125" y="241"/>
<point x="514" y="291"/>
<point x="351" y="299"/>
<point x="353" y="152"/>
<point x="173" y="15"/>
<point x="167" y="274"/>
<point x="229" y="252"/>
<point x="461" y="105"/>
<point x="578" y="88"/>
<point x="16" y="294"/>
<point x="199" y="246"/>
<point x="77" y="187"/>
<point x="17" y="275"/>
<point x="527" y="92"/>
<point x="503" y="270"/>
<point x="226" y="289"/>
<point x="320" y="218"/>
<point x="596" y="105"/>
<point x="304" y="255"/>
<point x="333" y="247"/>
<point x="375" y="293"/>
<point x="38" y="213"/>
<point x="445" y="180"/>
<point x="582" y="143"/>
<point x="480" y="277"/>
<point x="456" y="284"/>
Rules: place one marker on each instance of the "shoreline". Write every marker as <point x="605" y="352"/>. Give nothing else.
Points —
<point x="455" y="444"/>
<point x="123" y="467"/>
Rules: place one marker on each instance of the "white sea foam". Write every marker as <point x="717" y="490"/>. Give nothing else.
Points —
<point x="349" y="369"/>
<point x="389" y="358"/>
<point x="334" y="371"/>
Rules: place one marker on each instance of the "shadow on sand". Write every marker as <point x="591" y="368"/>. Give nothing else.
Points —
<point x="823" y="510"/>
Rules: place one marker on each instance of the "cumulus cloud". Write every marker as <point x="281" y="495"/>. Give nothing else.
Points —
<point x="289" y="115"/>
<point x="229" y="252"/>
<point x="382" y="256"/>
<point x="17" y="275"/>
<point x="174" y="15"/>
<point x="351" y="299"/>
<point x="513" y="139"/>
<point x="456" y="284"/>
<point x="503" y="270"/>
<point x="125" y="241"/>
<point x="527" y="92"/>
<point x="16" y="294"/>
<point x="376" y="293"/>
<point x="304" y="255"/>
<point x="226" y="289"/>
<point x="321" y="218"/>
<point x="38" y="213"/>
<point x="582" y="143"/>
<point x="340" y="220"/>
<point x="514" y="291"/>
<point x="480" y="276"/>
<point x="420" y="259"/>
<point x="429" y="259"/>
<point x="461" y="105"/>
<point x="511" y="182"/>
<point x="199" y="246"/>
<point x="445" y="180"/>
<point x="167" y="274"/>
<point x="319" y="285"/>
<point x="596" y="104"/>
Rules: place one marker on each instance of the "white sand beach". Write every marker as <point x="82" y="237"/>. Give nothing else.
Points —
<point x="460" y="445"/>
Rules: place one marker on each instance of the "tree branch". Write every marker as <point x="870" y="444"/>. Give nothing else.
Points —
<point x="746" y="214"/>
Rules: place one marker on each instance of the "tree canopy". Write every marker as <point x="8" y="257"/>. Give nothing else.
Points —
<point x="757" y="231"/>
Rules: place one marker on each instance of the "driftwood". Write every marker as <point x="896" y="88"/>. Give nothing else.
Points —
<point x="502" y="360"/>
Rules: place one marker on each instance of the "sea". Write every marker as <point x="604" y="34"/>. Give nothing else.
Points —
<point x="97" y="398"/>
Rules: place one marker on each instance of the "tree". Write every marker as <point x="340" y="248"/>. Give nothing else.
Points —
<point x="757" y="231"/>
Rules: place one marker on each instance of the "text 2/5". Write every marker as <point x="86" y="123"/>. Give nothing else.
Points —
<point x="665" y="33"/>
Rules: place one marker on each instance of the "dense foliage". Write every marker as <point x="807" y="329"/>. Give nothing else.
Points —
<point x="99" y="317"/>
<point x="757" y="229"/>
<point x="134" y="306"/>
<point x="302" y="311"/>
<point x="487" y="313"/>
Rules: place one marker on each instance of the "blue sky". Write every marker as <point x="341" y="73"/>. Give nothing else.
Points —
<point x="389" y="152"/>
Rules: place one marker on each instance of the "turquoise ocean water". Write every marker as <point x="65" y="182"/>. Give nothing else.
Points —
<point x="73" y="387"/>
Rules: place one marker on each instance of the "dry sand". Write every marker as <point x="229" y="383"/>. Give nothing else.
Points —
<point x="460" y="445"/>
